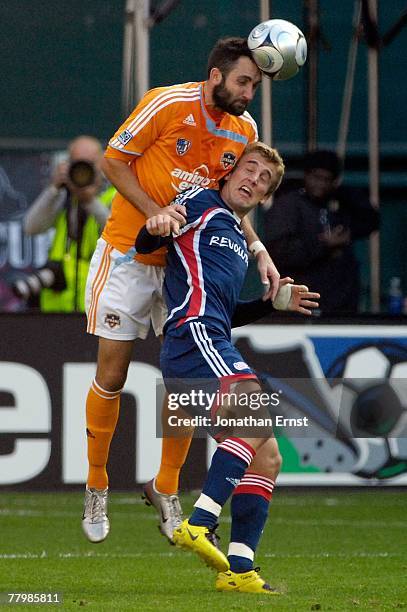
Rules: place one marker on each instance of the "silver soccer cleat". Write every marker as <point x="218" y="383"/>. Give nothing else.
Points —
<point x="168" y="508"/>
<point x="95" y="522"/>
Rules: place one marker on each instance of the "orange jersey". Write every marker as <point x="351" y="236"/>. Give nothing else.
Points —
<point x="171" y="142"/>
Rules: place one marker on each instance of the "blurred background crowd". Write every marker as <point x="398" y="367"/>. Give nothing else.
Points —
<point x="73" y="74"/>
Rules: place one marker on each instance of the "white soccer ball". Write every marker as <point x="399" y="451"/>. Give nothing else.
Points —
<point x="279" y="48"/>
<point x="371" y="386"/>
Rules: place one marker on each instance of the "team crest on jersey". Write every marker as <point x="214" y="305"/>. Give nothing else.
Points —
<point x="228" y="160"/>
<point x="125" y="136"/>
<point x="112" y="320"/>
<point x="183" y="145"/>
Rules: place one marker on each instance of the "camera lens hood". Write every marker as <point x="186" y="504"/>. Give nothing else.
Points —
<point x="82" y="173"/>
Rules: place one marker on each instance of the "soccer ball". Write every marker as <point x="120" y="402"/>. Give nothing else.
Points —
<point x="278" y="47"/>
<point x="372" y="400"/>
<point x="357" y="415"/>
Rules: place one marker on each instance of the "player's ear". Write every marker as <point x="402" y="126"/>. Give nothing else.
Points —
<point x="215" y="76"/>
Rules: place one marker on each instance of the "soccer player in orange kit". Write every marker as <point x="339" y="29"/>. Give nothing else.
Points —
<point x="177" y="136"/>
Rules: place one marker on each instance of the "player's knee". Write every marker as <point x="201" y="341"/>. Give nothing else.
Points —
<point x="112" y="380"/>
<point x="273" y="463"/>
<point x="113" y="363"/>
<point x="246" y="387"/>
<point x="277" y="462"/>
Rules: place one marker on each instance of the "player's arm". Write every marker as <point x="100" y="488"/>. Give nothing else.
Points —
<point x="269" y="274"/>
<point x="146" y="243"/>
<point x="120" y="175"/>
<point x="250" y="311"/>
<point x="290" y="297"/>
<point x="129" y="142"/>
<point x="157" y="232"/>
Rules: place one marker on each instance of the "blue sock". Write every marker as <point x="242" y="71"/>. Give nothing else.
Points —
<point x="203" y="518"/>
<point x="249" y="515"/>
<point x="227" y="469"/>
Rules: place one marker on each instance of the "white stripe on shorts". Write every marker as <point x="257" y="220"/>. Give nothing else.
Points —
<point x="205" y="355"/>
<point x="216" y="355"/>
<point x="211" y="356"/>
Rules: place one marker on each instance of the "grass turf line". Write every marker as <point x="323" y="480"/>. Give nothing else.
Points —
<point x="325" y="550"/>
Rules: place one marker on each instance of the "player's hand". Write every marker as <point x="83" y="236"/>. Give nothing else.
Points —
<point x="162" y="225"/>
<point x="269" y="275"/>
<point x="177" y="212"/>
<point x="295" y="298"/>
<point x="302" y="299"/>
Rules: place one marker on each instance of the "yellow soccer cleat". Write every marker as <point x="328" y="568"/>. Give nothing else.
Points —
<point x="197" y="539"/>
<point x="248" y="582"/>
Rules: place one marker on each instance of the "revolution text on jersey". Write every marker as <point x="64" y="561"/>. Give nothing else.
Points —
<point x="207" y="264"/>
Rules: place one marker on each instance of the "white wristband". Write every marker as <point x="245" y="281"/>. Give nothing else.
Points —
<point x="256" y="247"/>
<point x="283" y="297"/>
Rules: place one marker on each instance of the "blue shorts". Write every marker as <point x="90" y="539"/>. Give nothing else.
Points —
<point x="195" y="351"/>
<point x="195" y="359"/>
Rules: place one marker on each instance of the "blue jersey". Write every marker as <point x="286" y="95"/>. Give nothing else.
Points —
<point x="206" y="263"/>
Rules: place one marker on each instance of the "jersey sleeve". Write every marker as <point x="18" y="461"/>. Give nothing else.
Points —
<point x="143" y="127"/>
<point x="251" y="126"/>
<point x="248" y="312"/>
<point x="146" y="243"/>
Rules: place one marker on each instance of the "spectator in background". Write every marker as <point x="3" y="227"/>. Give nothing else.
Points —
<point x="76" y="205"/>
<point x="310" y="233"/>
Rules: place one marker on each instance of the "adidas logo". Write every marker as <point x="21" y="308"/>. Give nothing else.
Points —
<point x="189" y="120"/>
<point x="233" y="481"/>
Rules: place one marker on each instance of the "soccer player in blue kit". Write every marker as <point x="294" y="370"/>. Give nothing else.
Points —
<point x="206" y="266"/>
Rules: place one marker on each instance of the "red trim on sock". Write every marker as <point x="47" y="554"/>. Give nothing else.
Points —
<point x="237" y="447"/>
<point x="255" y="484"/>
<point x="252" y="490"/>
<point x="243" y="443"/>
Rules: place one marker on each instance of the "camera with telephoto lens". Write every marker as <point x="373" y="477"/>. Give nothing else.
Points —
<point x="29" y="286"/>
<point x="82" y="173"/>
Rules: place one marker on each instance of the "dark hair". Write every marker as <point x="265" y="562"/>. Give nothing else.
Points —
<point x="327" y="160"/>
<point x="226" y="52"/>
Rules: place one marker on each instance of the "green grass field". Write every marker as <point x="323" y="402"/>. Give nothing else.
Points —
<point x="325" y="550"/>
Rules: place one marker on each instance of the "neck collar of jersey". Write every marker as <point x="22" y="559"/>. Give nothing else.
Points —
<point x="230" y="210"/>
<point x="211" y="125"/>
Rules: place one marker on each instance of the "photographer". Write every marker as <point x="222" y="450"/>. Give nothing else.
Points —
<point x="74" y="205"/>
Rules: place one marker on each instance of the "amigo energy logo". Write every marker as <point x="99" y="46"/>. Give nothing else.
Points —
<point x="198" y="176"/>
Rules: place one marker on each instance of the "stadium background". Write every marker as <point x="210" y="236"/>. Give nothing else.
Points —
<point x="341" y="549"/>
<point x="63" y="63"/>
<point x="64" y="68"/>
